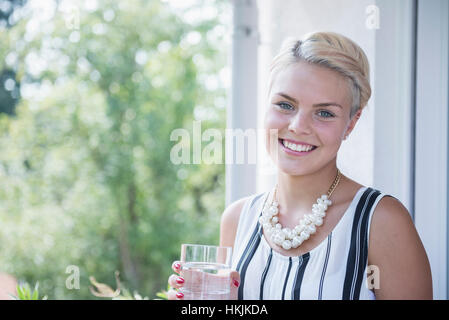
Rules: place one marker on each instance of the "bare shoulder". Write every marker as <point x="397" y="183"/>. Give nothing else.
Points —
<point x="229" y="222"/>
<point x="392" y="214"/>
<point x="396" y="249"/>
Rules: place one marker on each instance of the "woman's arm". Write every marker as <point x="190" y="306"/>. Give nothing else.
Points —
<point x="228" y="229"/>
<point x="229" y="222"/>
<point x="397" y="251"/>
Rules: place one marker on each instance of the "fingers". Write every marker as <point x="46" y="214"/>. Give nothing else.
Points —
<point x="235" y="277"/>
<point x="176" y="266"/>
<point x="175" y="281"/>
<point x="235" y="283"/>
<point x="172" y="294"/>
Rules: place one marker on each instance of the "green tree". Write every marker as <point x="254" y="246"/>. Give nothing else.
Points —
<point x="85" y="165"/>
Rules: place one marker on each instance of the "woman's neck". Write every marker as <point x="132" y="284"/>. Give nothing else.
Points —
<point x="296" y="194"/>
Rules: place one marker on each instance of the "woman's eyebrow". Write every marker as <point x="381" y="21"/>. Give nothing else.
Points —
<point x="326" y="104"/>
<point x="323" y="104"/>
<point x="286" y="96"/>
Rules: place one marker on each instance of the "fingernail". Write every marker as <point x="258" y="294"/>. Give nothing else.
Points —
<point x="179" y="280"/>
<point x="180" y="295"/>
<point x="235" y="282"/>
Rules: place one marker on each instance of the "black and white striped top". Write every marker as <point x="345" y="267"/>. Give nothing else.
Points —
<point x="336" y="269"/>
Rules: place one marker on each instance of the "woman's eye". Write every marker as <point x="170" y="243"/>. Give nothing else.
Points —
<point x="284" y="106"/>
<point x="325" y="114"/>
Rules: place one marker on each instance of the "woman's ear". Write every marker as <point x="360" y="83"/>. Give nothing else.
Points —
<point x="352" y="123"/>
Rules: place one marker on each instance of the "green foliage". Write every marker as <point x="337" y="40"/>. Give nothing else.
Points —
<point x="85" y="170"/>
<point x="24" y="292"/>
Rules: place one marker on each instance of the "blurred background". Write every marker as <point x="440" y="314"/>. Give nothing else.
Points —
<point x="89" y="94"/>
<point x="92" y="90"/>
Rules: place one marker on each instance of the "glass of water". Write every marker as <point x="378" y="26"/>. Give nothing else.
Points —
<point x="206" y="271"/>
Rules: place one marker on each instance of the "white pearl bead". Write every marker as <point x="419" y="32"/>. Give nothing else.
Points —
<point x="298" y="229"/>
<point x="311" y="229"/>
<point x="306" y="218"/>
<point x="286" y="244"/>
<point x="266" y="214"/>
<point x="279" y="238"/>
<point x="322" y="206"/>
<point x="267" y="226"/>
<point x="321" y="214"/>
<point x="278" y="226"/>
<point x="275" y="203"/>
<point x="275" y="219"/>
<point x="319" y="221"/>
<point x="305" y="235"/>
<point x="296" y="242"/>
<point x="274" y="210"/>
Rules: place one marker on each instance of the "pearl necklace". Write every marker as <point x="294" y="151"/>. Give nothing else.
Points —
<point x="293" y="238"/>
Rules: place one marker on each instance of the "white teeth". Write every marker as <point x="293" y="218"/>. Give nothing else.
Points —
<point x="296" y="147"/>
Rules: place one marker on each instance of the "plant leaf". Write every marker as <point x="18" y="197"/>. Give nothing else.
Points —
<point x="35" y="295"/>
<point x="27" y="291"/>
<point x="20" y="293"/>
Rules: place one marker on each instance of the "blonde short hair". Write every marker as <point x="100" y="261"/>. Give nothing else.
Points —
<point x="333" y="51"/>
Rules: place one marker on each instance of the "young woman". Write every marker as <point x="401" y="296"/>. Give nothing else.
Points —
<point x="318" y="234"/>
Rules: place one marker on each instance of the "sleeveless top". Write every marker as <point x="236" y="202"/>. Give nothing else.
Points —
<point x="335" y="269"/>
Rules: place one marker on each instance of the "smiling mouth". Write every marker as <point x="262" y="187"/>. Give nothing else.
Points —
<point x="300" y="148"/>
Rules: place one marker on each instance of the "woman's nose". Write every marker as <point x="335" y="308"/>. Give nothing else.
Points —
<point x="300" y="124"/>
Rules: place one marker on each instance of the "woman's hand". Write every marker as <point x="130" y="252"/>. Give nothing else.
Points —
<point x="176" y="282"/>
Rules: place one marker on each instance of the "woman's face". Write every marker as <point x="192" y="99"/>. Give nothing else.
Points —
<point x="310" y="108"/>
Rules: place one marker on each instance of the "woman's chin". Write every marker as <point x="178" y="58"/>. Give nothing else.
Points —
<point x="292" y="170"/>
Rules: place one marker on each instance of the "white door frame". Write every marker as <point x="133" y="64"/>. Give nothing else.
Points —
<point x="242" y="113"/>
<point x="431" y="167"/>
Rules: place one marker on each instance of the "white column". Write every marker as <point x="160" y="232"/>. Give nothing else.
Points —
<point x="394" y="96"/>
<point x="242" y="114"/>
